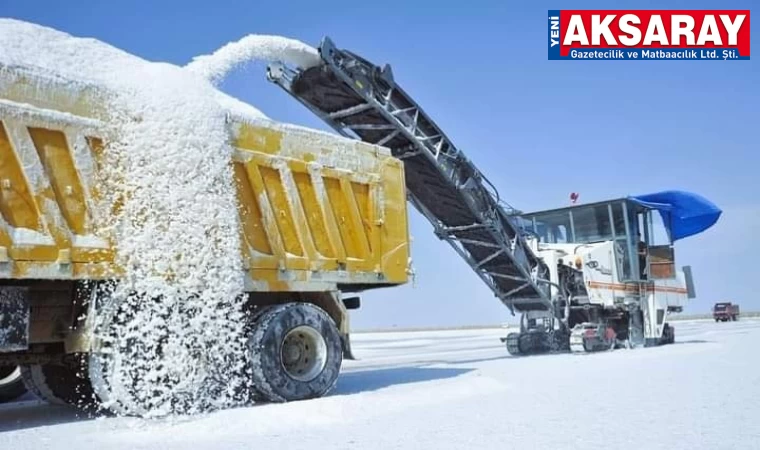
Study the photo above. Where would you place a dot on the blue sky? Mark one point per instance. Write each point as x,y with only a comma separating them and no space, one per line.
539,129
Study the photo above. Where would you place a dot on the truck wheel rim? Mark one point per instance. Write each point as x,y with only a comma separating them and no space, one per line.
9,374
304,353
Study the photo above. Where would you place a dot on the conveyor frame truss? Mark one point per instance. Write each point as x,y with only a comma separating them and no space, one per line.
361,101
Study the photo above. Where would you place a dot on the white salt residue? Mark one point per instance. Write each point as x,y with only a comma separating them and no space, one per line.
176,344
238,109
34,114
26,236
89,241
27,156
178,234
253,47
13,320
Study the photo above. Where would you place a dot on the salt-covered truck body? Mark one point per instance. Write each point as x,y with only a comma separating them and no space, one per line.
320,216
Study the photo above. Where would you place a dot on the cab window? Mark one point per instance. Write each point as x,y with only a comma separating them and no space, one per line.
592,224
553,228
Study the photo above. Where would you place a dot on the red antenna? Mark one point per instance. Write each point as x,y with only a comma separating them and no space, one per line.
574,197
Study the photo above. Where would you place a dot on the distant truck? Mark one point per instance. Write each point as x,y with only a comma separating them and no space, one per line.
725,311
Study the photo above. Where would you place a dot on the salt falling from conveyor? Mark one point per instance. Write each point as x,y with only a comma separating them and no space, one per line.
215,66
169,165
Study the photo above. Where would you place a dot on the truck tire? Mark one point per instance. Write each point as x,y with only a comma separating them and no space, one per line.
117,382
512,342
11,384
295,353
60,384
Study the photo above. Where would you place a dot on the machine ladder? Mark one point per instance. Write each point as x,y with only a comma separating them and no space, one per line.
362,101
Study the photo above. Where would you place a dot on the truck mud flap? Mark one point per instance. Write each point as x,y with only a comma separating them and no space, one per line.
347,352
14,319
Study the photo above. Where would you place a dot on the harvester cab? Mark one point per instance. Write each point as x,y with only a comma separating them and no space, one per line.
642,241
612,264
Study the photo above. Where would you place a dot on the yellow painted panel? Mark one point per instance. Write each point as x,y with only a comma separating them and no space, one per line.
342,217
313,213
59,166
260,139
361,195
5,240
91,255
395,232
331,223
355,221
310,256
96,147
279,201
250,214
281,259
16,200
33,253
267,215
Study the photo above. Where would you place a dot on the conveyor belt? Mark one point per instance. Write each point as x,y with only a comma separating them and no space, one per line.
361,101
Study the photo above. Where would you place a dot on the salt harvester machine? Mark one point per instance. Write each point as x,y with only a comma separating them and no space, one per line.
584,278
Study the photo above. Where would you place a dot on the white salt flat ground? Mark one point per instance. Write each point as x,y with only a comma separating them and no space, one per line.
461,390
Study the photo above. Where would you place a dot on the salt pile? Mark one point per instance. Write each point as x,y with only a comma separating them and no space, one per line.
177,229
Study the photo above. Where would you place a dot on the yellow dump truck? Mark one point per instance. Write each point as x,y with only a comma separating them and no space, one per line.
321,219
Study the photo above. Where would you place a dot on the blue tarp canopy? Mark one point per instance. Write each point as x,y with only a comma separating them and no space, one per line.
683,213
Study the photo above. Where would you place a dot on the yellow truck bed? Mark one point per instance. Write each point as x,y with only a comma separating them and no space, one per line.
316,210
320,217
